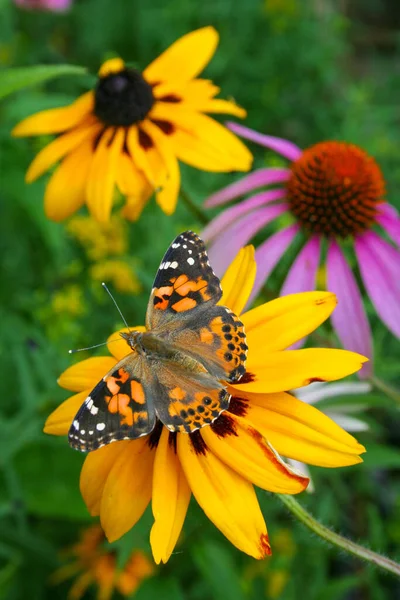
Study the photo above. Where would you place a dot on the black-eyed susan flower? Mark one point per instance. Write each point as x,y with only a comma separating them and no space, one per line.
221,463
131,130
88,562
334,192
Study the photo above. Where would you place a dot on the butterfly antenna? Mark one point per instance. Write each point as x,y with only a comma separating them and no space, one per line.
116,305
91,347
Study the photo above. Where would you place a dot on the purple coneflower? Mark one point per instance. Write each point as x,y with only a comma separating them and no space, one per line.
48,5
335,193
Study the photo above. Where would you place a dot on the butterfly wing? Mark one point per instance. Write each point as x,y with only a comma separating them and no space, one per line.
120,407
185,282
187,401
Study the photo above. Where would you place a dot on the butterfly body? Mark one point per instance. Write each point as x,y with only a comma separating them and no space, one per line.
177,371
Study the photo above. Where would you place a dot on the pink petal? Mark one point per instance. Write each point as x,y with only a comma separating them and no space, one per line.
230,215
247,184
268,255
303,273
228,244
389,220
379,264
283,147
349,317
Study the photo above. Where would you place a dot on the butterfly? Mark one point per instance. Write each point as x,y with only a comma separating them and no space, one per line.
177,370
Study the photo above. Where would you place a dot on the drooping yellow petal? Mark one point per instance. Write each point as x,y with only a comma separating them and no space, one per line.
66,190
59,421
185,58
170,500
252,457
86,373
111,66
202,142
56,120
95,471
279,323
300,431
281,371
61,146
128,489
117,346
193,92
102,174
227,498
238,280
134,185
167,196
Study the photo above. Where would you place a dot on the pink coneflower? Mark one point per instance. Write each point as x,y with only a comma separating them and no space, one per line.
49,5
335,193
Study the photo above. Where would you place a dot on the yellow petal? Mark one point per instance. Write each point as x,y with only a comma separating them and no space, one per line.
228,500
301,432
95,471
247,453
167,196
201,142
133,184
186,58
117,346
222,106
61,146
134,206
56,119
86,373
66,189
128,489
281,371
193,92
113,65
102,174
59,421
281,322
238,280
140,156
171,495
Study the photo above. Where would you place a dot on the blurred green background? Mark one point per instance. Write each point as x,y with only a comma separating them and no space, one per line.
307,70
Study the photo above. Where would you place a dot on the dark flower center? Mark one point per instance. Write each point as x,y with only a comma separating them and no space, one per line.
123,98
334,189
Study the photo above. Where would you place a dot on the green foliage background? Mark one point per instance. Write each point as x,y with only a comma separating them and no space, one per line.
304,70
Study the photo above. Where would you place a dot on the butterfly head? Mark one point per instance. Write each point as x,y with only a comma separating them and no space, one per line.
132,338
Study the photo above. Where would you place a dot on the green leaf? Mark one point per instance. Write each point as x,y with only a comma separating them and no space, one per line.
217,568
379,456
12,80
165,588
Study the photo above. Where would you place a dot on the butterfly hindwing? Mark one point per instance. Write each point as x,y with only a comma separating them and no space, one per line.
121,406
184,282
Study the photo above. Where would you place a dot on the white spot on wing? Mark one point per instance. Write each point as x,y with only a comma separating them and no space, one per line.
173,265
100,426
190,260
76,424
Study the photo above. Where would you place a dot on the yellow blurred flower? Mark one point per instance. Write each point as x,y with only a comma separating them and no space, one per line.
100,239
131,130
119,273
94,564
68,300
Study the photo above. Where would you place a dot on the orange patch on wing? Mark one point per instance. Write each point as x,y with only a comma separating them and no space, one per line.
177,393
184,304
119,404
206,336
137,392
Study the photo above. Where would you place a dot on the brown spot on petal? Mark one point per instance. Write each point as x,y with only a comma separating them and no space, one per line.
224,426
165,126
172,440
238,406
198,444
247,378
145,140
265,546
170,98
155,435
315,379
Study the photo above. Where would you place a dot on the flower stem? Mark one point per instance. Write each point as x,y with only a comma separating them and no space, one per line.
388,390
338,540
194,209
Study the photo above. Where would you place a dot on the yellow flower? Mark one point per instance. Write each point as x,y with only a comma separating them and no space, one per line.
132,129
93,564
119,273
100,239
69,300
222,462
